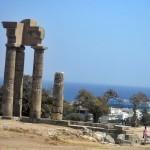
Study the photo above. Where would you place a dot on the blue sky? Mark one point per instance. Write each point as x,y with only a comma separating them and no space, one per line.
91,41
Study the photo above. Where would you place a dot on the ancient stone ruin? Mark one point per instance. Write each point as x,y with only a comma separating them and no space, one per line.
57,109
19,35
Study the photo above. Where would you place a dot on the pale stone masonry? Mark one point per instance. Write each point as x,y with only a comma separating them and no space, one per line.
19,35
8,88
18,83
25,33
58,98
37,82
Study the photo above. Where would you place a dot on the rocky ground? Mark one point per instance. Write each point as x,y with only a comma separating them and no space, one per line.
15,135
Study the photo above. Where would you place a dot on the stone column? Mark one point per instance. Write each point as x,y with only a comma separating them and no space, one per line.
58,88
36,95
14,39
18,83
8,86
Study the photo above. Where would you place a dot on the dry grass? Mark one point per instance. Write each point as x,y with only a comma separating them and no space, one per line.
16,135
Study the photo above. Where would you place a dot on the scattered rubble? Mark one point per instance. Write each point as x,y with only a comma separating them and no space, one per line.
82,134
65,134
109,139
99,136
120,138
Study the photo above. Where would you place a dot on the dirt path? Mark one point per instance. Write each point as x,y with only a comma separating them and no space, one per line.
16,135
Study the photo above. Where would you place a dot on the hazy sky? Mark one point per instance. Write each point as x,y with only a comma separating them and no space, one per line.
91,41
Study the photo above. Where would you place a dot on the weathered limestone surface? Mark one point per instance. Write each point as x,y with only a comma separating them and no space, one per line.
18,83
14,39
32,34
37,82
26,33
57,109
14,33
8,89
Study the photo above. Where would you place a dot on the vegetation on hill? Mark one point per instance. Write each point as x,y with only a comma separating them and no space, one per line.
97,106
110,94
46,98
136,100
94,105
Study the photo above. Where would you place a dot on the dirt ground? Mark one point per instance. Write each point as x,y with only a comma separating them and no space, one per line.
15,135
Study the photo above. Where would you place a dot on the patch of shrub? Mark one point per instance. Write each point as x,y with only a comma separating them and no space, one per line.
74,117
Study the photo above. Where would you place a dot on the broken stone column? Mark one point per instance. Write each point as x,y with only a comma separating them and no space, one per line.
18,83
14,39
36,94
58,89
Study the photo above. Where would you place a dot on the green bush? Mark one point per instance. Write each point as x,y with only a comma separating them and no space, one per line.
74,117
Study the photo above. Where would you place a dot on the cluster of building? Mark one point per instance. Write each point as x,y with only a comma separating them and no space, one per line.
122,109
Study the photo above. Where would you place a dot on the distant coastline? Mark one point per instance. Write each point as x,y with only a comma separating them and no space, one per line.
71,89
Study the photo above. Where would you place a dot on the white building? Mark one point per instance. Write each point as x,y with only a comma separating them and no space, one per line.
119,114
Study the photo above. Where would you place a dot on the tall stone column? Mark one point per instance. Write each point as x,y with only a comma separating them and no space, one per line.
36,95
8,86
18,83
14,39
58,89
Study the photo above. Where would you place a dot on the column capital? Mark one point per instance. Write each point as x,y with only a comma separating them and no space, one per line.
39,47
14,32
21,48
15,46
12,46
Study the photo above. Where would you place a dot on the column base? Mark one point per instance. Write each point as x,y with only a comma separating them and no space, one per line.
7,117
35,115
56,116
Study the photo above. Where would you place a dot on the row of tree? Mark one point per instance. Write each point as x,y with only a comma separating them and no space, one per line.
97,106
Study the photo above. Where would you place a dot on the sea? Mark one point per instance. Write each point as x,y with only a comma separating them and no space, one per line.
71,89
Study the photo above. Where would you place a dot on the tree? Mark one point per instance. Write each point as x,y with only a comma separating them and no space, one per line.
145,115
69,112
96,106
46,99
27,87
68,108
136,100
74,117
110,94
46,104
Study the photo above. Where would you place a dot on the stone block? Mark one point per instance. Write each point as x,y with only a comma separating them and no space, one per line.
32,34
56,116
14,33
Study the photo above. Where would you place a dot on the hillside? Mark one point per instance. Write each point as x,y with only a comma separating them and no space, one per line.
17,135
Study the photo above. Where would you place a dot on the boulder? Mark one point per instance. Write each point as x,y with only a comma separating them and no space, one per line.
109,139
89,138
99,136
120,138
87,131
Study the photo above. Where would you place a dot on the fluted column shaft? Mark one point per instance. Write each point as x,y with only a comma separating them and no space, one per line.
36,95
18,83
8,86
58,96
